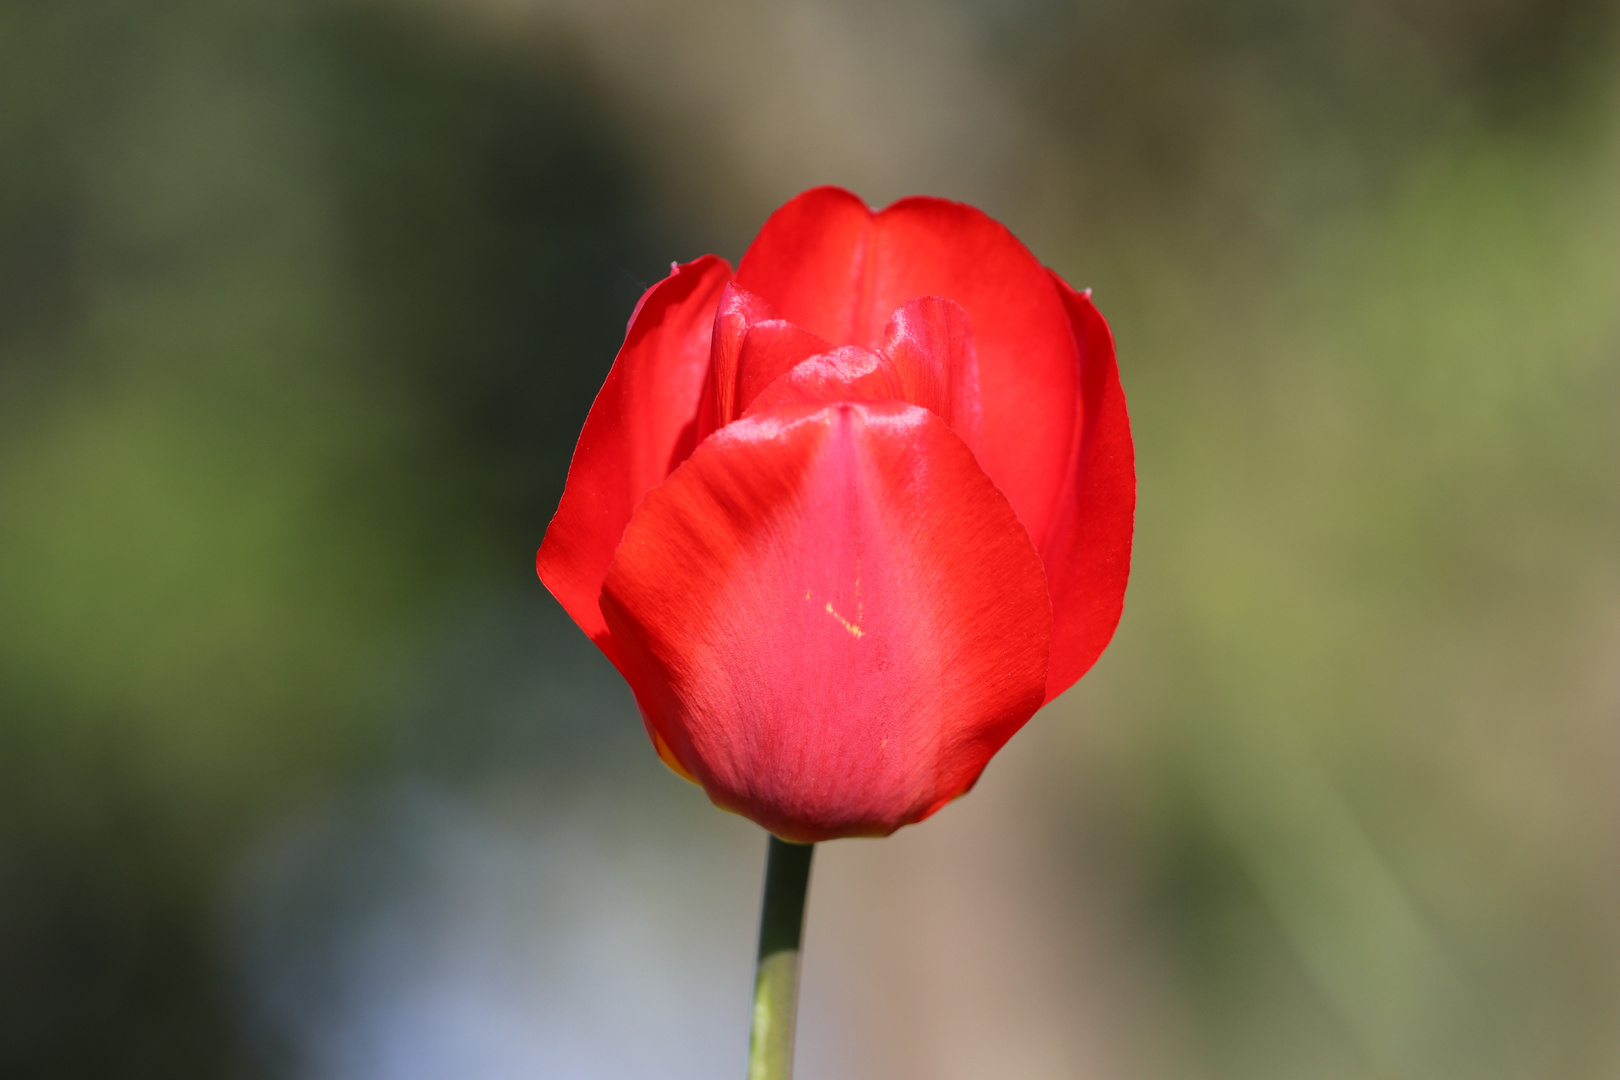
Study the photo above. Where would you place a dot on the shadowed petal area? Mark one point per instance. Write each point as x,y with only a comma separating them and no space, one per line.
1088,548
829,264
832,617
638,429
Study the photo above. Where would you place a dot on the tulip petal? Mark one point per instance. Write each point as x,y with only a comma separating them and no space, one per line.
831,617
927,359
752,347
1087,551
639,428
771,349
836,268
844,374
930,341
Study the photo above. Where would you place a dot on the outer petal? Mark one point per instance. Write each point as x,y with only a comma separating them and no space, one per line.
637,431
1088,549
831,265
832,617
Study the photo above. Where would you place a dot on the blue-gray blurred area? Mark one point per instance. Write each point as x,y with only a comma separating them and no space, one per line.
303,776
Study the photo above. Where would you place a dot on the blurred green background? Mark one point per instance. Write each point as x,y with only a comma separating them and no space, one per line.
302,303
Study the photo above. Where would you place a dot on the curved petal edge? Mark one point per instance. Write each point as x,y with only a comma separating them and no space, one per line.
639,428
1087,549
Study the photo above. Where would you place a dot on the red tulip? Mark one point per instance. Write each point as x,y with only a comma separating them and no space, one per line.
845,519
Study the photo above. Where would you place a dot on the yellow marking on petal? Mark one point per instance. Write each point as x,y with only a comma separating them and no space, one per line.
667,755
851,627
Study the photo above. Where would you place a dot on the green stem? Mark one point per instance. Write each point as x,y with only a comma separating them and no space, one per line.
776,980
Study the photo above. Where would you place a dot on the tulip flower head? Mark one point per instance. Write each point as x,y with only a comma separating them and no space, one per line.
846,518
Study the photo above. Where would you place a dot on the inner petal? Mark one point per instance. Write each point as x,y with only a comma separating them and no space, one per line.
847,374
930,343
927,359
751,347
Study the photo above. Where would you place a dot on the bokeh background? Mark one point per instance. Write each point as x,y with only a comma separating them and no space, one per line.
304,776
